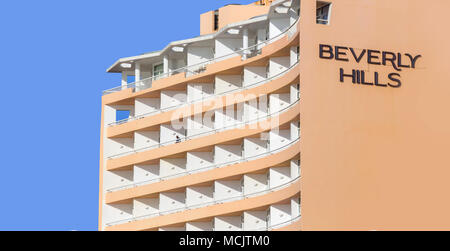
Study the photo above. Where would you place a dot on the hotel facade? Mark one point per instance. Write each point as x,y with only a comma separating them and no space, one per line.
284,115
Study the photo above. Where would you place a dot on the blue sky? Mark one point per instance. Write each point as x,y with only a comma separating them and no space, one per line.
53,59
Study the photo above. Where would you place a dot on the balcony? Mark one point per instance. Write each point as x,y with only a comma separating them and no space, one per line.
204,60
157,175
182,135
179,99
174,202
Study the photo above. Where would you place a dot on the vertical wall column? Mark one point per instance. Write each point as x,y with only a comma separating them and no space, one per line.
294,55
262,33
245,42
137,72
294,93
166,64
124,80
295,130
295,168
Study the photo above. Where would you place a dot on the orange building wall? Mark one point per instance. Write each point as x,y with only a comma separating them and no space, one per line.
207,23
376,158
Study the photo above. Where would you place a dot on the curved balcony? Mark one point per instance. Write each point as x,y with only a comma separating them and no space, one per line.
206,99
203,176
236,131
288,77
198,141
198,68
293,143
278,193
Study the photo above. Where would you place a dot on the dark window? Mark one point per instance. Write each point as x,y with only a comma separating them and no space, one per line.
322,12
216,20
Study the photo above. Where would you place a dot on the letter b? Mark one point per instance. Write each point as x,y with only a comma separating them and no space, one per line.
326,51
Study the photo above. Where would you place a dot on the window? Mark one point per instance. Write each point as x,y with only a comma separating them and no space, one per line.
323,12
158,69
122,115
216,20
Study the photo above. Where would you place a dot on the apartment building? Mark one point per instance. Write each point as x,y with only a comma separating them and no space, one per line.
200,134
204,135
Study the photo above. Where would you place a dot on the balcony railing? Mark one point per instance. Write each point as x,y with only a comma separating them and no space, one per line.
204,99
201,67
201,205
322,21
204,169
202,134
276,226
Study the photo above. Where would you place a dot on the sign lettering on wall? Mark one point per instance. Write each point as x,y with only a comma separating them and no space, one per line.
397,61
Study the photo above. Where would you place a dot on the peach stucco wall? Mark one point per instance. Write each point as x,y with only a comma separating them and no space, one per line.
376,158
207,23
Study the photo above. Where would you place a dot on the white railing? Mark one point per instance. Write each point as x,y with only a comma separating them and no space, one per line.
204,99
268,228
203,169
201,205
214,131
322,21
201,67
277,226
